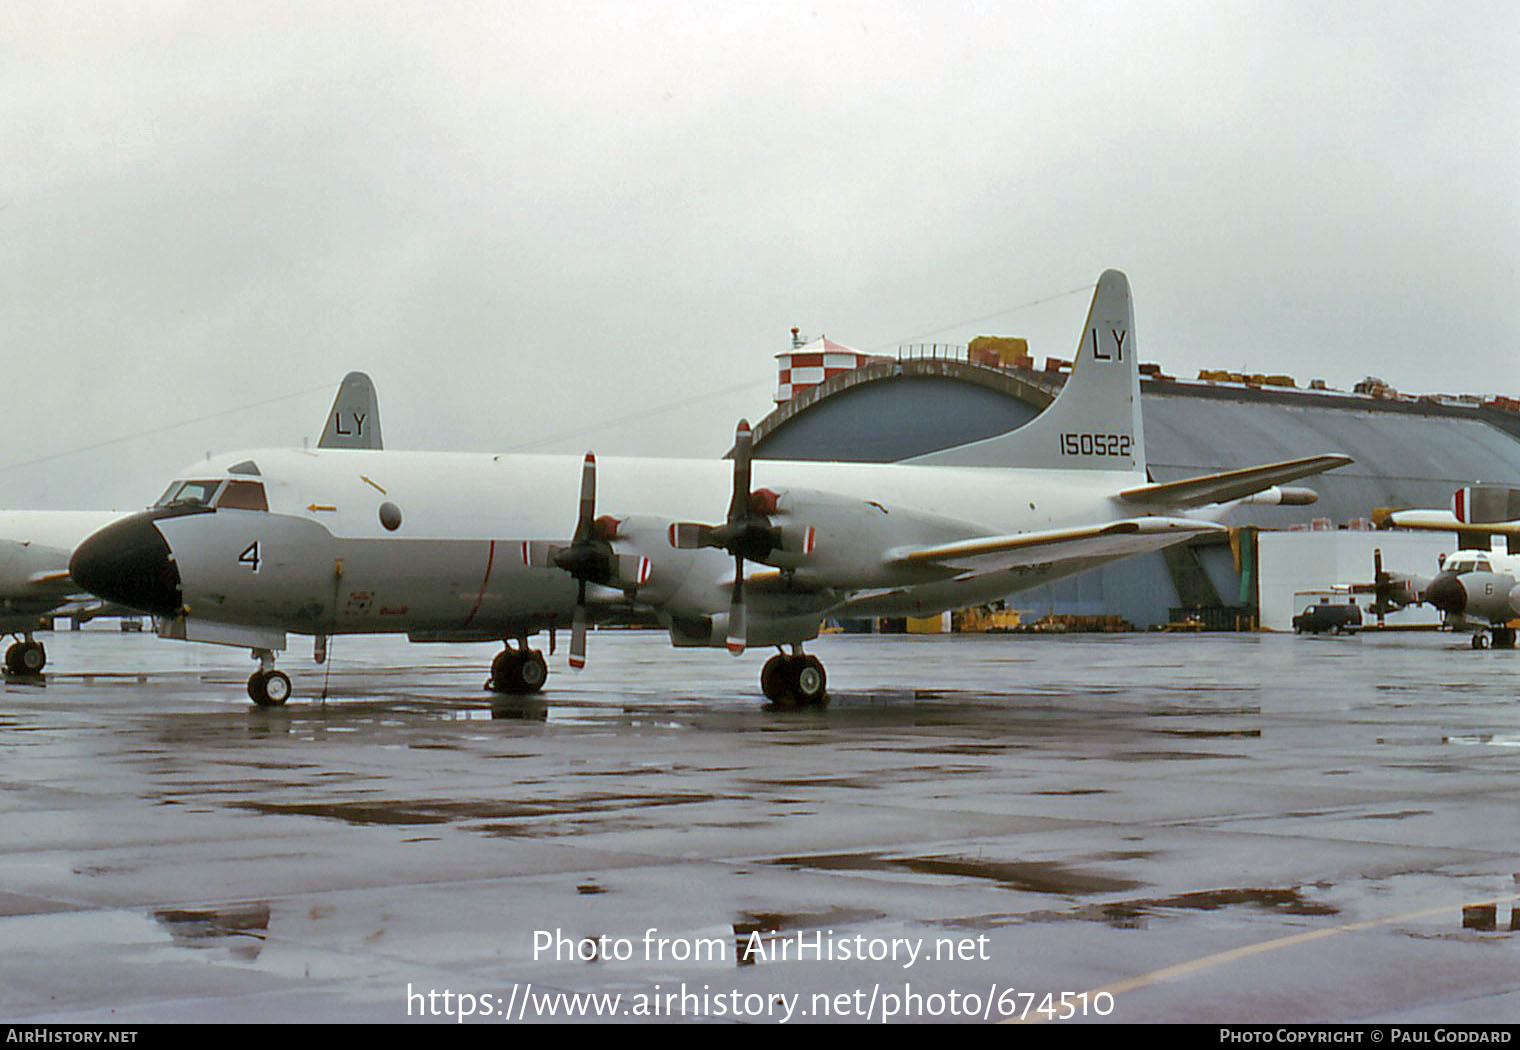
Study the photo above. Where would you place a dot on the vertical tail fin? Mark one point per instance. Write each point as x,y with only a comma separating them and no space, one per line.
354,419
1094,422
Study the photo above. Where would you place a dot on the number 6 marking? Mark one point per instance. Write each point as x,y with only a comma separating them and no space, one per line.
250,556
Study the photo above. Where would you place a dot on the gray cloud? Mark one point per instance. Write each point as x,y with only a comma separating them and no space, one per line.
529,220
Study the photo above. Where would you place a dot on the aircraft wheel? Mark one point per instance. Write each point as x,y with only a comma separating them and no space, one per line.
517,673
33,658
773,678
794,681
269,688
25,658
503,669
1480,640
534,672
812,682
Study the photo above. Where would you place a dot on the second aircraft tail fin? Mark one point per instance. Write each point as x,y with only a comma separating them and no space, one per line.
354,419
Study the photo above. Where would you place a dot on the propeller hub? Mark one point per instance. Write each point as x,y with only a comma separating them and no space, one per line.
589,562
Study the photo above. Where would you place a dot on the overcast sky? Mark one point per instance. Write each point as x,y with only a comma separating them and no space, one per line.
563,226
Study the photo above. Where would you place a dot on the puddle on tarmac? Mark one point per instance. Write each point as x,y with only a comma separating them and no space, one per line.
444,811
202,927
1132,914
240,928
1029,876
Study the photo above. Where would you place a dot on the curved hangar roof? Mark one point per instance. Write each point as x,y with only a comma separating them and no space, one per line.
1407,453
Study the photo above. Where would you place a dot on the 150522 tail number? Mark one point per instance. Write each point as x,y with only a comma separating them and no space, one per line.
1096,444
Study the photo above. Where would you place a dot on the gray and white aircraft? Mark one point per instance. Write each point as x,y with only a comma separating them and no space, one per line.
1475,588
36,545
446,546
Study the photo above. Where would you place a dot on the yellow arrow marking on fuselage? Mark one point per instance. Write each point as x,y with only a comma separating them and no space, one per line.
372,485
313,507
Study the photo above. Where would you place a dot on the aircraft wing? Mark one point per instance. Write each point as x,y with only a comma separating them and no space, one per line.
1231,484
1446,521
984,554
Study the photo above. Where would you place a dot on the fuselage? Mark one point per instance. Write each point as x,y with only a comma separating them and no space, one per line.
339,541
445,495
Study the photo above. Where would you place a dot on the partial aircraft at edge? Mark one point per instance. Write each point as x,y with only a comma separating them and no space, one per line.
36,545
246,547
1475,587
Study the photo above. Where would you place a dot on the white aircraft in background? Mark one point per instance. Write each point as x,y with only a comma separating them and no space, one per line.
1475,589
36,545
246,547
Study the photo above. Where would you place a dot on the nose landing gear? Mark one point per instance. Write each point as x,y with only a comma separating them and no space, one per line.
266,686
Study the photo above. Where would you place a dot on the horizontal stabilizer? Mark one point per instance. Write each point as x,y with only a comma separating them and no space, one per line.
1231,484
997,553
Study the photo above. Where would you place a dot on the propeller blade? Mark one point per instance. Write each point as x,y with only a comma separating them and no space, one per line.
1379,583
631,570
744,447
539,554
587,519
736,627
578,631
689,535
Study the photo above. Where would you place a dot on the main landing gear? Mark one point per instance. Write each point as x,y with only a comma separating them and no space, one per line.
266,686
794,680
1502,638
25,658
518,671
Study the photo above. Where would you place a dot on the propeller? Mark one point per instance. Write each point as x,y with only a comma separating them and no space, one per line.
1382,586
747,533
1392,591
589,558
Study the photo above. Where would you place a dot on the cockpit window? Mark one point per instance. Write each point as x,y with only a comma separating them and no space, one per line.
1460,566
194,493
243,495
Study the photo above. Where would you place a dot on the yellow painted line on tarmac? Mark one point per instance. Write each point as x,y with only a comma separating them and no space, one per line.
1167,973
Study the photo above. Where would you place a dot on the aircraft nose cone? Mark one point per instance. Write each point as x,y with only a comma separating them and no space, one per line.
129,563
1447,594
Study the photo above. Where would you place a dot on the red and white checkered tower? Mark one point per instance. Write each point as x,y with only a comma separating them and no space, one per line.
806,365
